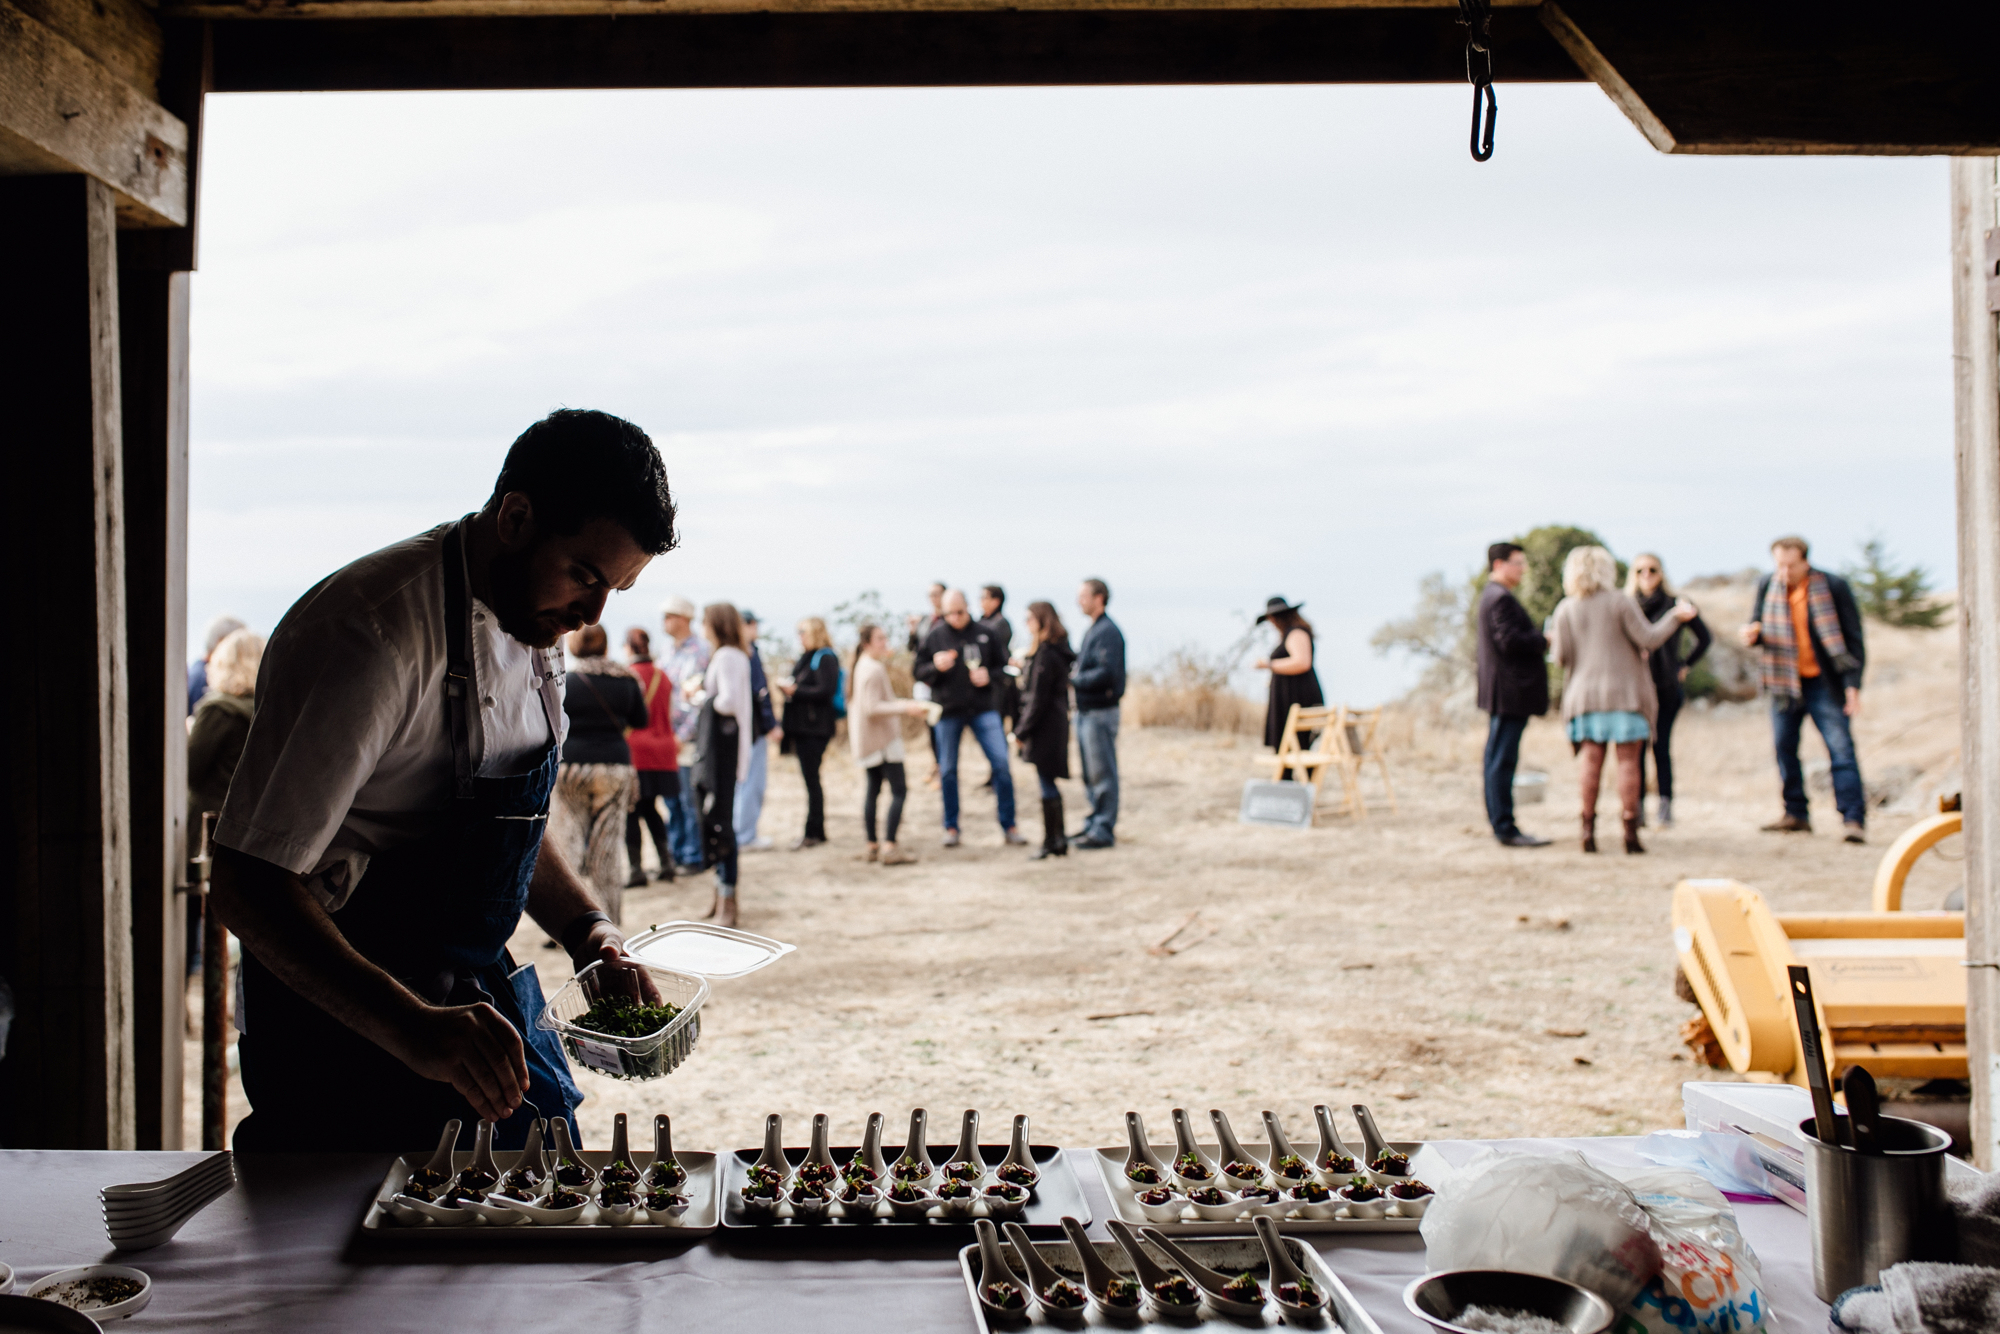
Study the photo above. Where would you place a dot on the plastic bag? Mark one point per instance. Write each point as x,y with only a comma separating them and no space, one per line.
1553,1214
1709,1279
1728,1162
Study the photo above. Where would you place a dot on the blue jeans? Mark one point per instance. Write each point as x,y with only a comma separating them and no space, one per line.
1097,744
1827,707
992,738
749,807
684,826
1503,752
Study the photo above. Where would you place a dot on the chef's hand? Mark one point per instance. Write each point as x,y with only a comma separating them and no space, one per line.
473,1049
980,677
606,944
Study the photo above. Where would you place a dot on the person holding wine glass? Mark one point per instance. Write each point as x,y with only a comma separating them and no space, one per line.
958,660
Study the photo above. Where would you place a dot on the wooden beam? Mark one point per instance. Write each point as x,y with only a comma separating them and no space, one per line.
287,10
61,112
121,35
153,347
1976,420
1847,76
878,49
65,897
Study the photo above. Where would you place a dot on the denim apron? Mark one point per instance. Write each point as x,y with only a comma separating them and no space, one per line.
436,915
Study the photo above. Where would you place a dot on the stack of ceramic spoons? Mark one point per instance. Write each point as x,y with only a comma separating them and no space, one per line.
147,1213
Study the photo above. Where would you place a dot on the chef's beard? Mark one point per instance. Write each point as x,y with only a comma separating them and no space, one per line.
509,576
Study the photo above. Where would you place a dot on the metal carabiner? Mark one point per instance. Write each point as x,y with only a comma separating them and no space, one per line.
1483,149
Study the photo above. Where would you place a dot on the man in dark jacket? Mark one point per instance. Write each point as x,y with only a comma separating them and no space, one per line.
958,660
1100,683
1810,631
1513,684
1006,688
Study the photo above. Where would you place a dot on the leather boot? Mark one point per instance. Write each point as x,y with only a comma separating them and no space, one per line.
1054,844
1632,843
1589,833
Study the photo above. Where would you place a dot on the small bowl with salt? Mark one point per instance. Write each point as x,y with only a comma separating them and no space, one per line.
1503,1301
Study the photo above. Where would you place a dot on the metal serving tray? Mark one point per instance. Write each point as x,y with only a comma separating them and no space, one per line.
1058,1193
1111,1167
1231,1255
704,1207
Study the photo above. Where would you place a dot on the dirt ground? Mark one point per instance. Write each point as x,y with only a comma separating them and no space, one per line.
1464,990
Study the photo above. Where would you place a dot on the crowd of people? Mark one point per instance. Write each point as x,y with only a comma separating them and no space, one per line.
1620,654
675,745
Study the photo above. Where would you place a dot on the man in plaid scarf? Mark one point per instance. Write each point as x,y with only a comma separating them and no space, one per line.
1810,631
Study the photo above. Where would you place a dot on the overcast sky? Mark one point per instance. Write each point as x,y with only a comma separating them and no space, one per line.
1208,343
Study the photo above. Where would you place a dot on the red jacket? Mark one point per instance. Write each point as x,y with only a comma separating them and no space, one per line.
653,745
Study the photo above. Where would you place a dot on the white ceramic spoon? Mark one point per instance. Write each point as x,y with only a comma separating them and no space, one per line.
1126,1300
1061,1298
438,1172
1296,1170
482,1173
528,1170
1153,1276
542,1212
1192,1168
965,1163
1234,1154
773,1159
1000,1292
1018,1167
448,1216
1332,1149
1211,1282
1283,1271
665,1171
819,1164
570,1170
875,1170
1396,1164
1139,1157
914,1165
618,1169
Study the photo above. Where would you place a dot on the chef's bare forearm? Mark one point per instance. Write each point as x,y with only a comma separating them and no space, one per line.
278,920
556,897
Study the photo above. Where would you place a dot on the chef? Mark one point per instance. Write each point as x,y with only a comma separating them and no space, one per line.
383,833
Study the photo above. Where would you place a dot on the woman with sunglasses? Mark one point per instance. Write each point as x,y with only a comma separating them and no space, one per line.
1647,585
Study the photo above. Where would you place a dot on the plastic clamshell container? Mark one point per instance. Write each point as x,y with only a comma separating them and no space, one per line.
650,1057
714,952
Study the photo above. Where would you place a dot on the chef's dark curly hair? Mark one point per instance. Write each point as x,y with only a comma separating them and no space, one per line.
576,465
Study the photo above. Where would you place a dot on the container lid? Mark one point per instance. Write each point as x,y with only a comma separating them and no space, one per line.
707,951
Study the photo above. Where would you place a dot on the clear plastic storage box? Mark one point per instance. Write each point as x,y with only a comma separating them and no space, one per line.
648,1057
681,958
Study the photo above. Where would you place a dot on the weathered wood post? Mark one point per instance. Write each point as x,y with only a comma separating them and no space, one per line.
154,266
1975,249
65,906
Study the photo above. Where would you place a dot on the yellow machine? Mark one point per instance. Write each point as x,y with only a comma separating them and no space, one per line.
1890,985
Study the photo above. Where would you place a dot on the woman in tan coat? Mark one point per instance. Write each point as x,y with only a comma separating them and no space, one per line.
1601,638
875,730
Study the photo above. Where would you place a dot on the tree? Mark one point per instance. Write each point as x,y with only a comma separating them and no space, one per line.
1548,547
1893,596
1438,630
1442,629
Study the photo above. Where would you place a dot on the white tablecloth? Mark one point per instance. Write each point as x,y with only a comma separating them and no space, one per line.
278,1253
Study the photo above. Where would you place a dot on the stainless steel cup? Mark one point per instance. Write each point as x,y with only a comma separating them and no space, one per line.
1870,1211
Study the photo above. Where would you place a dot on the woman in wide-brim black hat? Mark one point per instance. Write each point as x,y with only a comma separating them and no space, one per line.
1293,680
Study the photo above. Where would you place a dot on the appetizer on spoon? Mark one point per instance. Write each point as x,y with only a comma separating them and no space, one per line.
1116,1295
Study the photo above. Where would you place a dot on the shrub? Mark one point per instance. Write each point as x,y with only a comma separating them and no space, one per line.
1891,595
